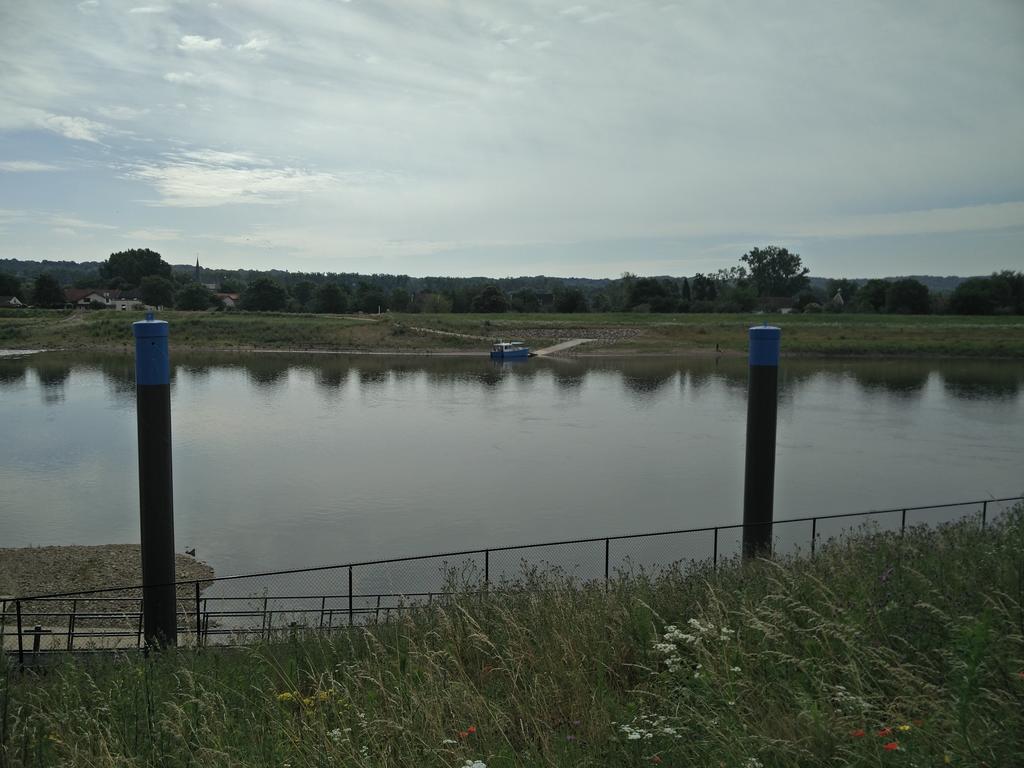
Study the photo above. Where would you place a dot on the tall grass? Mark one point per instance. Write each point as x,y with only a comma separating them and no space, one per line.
880,651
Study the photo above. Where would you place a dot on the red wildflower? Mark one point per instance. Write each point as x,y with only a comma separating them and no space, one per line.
885,731
471,729
463,734
892,746
857,733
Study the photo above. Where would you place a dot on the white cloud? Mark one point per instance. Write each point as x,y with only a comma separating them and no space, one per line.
254,45
77,128
206,178
88,6
147,9
933,221
27,166
122,112
62,220
153,234
199,43
184,78
64,231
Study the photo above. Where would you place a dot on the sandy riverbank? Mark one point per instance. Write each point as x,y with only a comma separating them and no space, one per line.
45,570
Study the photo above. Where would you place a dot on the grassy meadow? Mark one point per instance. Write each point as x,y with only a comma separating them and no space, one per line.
613,334
880,651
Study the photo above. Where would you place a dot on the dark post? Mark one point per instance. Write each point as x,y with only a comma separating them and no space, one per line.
156,504
762,408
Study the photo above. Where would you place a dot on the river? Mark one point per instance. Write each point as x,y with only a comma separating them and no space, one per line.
285,460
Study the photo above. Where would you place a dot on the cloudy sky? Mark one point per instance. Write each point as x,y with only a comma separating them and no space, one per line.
503,138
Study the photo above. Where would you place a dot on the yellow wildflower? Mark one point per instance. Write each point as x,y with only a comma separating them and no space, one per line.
286,696
903,727
307,702
323,695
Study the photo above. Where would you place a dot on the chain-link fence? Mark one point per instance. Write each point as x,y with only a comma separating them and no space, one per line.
243,609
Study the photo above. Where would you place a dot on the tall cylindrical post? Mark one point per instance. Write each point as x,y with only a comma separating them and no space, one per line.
762,409
156,504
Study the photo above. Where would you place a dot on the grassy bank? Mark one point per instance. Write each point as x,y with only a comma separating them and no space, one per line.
878,652
613,334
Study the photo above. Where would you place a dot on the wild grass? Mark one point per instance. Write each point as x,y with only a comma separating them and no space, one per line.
880,651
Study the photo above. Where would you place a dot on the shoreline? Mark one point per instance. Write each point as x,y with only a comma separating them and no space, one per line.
693,352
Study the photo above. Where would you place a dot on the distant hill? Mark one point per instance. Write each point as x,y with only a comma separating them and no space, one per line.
935,283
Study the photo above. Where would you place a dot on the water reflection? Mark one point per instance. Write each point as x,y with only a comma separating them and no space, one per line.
52,376
267,373
974,381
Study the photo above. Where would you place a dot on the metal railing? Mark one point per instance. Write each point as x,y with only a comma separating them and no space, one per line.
246,607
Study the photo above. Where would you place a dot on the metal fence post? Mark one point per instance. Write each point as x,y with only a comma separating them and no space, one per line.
814,533
984,513
714,554
350,596
71,623
199,613
21,646
487,567
607,560
903,523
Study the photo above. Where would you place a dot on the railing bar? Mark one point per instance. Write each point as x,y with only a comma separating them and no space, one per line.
531,546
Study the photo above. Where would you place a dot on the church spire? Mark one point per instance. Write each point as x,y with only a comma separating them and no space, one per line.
197,269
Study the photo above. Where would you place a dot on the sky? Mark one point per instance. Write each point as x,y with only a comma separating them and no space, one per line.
516,138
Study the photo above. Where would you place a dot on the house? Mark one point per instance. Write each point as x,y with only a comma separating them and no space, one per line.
102,297
10,302
229,300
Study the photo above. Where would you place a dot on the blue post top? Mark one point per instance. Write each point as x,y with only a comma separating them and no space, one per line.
764,345
152,360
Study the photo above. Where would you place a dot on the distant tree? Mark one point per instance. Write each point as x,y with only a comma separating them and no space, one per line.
649,293
46,291
228,285
525,300
87,280
1009,292
329,298
10,286
490,299
264,295
303,292
907,297
193,297
370,299
808,296
871,296
129,267
570,300
975,296
399,300
156,291
684,293
704,288
434,303
601,302
775,271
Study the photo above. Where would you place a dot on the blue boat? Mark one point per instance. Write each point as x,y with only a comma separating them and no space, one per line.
509,350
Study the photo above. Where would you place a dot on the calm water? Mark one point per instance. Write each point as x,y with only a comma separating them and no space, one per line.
285,460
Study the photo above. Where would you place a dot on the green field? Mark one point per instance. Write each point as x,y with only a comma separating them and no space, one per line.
613,334
880,651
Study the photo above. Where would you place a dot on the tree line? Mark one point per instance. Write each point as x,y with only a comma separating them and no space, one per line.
769,278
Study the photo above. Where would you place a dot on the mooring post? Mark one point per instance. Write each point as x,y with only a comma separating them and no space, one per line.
762,410
156,504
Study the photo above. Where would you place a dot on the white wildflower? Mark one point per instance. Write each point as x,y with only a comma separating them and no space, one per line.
665,647
449,741
753,762
335,734
735,669
474,764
